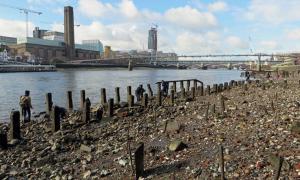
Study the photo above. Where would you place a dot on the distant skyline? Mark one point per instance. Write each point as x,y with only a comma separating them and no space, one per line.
184,26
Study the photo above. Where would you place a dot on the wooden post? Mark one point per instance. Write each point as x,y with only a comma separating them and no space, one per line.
188,84
222,103
103,96
213,108
111,107
174,86
226,86
208,90
3,141
150,90
86,114
118,99
215,88
193,93
129,94
82,99
195,84
139,161
145,100
278,170
181,85
172,97
158,98
69,101
182,93
131,101
55,118
201,90
221,161
220,88
15,132
49,103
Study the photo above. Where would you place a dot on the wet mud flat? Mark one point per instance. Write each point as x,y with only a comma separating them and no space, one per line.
243,131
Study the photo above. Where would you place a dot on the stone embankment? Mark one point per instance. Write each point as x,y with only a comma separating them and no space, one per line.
234,130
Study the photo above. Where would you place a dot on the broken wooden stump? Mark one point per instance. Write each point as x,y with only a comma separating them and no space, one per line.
55,119
49,103
139,161
15,132
111,107
82,99
86,114
3,141
69,101
118,98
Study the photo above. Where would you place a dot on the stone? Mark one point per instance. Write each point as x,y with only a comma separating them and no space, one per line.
85,148
177,145
296,128
14,142
274,161
123,162
172,126
55,147
87,174
104,173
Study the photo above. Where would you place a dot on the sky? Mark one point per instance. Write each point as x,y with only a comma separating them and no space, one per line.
186,27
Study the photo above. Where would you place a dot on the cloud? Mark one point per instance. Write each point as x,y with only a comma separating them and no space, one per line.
269,45
128,8
273,11
191,18
95,8
236,42
218,6
14,28
293,34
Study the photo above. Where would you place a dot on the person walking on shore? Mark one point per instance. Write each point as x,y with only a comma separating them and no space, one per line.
139,92
165,87
25,104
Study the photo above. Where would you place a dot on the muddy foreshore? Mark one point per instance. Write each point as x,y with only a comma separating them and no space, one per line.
260,124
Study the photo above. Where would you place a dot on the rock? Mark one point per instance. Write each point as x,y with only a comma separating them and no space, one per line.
274,161
87,174
296,128
85,148
172,126
123,162
196,172
104,173
177,145
14,142
55,147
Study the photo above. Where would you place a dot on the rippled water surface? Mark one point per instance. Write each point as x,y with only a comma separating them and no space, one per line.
13,85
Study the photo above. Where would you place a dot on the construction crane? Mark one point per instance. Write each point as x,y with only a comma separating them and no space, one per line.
25,11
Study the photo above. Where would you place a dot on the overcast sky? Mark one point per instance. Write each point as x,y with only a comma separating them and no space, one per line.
185,26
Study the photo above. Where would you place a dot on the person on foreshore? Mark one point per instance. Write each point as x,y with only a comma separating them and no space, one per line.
25,104
165,87
139,92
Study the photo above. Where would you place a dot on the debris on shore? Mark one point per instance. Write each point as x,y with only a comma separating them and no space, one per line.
258,127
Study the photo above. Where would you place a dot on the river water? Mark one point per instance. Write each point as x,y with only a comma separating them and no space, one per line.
13,85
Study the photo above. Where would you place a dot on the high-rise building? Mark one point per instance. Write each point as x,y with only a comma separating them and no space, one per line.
152,39
69,32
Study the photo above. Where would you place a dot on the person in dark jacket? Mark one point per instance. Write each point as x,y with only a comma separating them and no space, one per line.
139,92
25,104
165,87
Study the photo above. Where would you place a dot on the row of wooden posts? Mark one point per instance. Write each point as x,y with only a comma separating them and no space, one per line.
85,104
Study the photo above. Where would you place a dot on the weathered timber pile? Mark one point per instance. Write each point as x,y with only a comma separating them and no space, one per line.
258,126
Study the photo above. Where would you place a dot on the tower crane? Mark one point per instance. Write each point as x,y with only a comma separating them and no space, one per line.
25,11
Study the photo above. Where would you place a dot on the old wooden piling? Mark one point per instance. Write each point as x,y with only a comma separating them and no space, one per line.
82,99
131,100
145,100
222,103
69,101
221,161
278,168
212,108
150,92
3,141
181,85
220,87
225,85
103,97
117,93
129,94
174,86
49,103
195,84
182,93
111,107
172,97
201,90
208,90
139,161
86,114
55,119
215,88
193,93
188,85
159,95
15,132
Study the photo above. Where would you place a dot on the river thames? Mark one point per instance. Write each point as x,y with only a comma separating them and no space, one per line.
58,83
